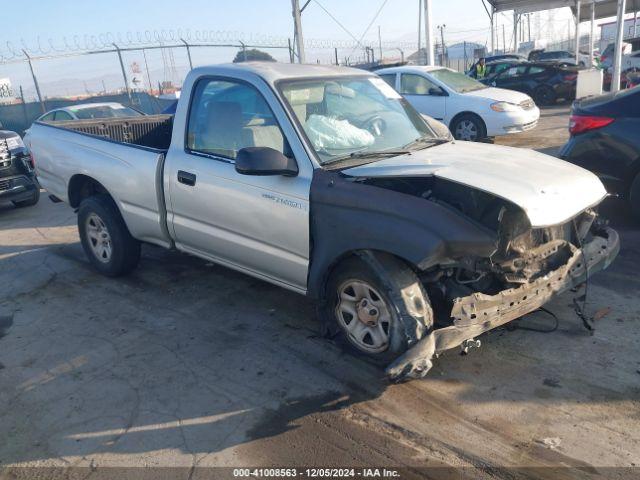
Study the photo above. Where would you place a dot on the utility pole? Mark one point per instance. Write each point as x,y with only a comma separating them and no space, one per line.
379,45
515,32
617,58
297,26
441,28
335,50
529,26
419,29
578,34
428,32
504,40
35,81
493,30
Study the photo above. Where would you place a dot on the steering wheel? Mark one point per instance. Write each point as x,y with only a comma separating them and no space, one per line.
375,124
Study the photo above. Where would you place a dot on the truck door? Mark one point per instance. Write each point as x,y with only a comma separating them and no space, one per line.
256,224
425,96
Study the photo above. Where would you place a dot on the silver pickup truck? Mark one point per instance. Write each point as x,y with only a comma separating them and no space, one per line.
325,181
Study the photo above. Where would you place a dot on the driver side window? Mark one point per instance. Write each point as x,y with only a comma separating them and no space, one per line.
413,84
227,116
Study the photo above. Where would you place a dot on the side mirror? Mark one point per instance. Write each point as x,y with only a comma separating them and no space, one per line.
436,92
265,161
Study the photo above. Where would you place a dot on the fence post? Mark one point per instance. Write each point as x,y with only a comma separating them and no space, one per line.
124,73
35,82
24,107
291,57
188,53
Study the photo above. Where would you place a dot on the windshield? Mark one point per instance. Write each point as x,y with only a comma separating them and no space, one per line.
348,117
457,81
105,111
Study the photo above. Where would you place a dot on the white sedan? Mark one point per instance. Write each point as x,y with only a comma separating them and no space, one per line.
471,110
86,111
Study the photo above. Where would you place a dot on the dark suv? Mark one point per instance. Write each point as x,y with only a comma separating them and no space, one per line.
18,182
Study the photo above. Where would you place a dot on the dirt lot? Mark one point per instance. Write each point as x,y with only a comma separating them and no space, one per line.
188,364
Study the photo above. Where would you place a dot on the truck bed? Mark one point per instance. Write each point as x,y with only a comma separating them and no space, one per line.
152,131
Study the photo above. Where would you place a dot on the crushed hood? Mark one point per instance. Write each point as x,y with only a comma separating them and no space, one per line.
549,190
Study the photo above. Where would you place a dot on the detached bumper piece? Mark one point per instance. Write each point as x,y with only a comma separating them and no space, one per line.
478,313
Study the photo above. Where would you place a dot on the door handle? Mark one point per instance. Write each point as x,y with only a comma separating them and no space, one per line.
187,178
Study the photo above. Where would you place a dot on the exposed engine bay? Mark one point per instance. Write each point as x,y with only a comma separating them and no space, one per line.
472,294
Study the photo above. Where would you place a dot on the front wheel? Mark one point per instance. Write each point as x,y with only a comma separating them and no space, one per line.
376,311
468,127
105,237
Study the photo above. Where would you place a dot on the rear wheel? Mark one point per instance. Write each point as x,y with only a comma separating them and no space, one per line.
545,96
376,312
468,127
634,197
105,237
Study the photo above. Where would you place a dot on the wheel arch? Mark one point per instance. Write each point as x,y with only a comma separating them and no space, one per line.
82,186
317,286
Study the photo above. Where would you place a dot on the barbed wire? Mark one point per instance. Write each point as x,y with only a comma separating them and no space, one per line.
11,51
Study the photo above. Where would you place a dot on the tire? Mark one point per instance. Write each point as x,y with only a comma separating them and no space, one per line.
468,127
105,237
634,197
399,320
545,96
31,202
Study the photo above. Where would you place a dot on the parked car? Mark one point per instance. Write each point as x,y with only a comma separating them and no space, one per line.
606,57
605,139
85,111
471,110
633,79
339,190
544,82
561,57
18,182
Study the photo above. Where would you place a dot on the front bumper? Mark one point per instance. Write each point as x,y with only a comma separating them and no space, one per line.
505,123
17,188
478,313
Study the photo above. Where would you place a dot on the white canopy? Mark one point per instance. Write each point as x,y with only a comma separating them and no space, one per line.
583,10
603,8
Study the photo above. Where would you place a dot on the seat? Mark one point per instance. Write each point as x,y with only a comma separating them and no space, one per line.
222,129
263,136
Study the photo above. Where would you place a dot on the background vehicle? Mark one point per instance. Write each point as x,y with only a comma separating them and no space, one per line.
605,138
546,83
18,182
633,79
471,110
606,57
561,57
86,111
267,159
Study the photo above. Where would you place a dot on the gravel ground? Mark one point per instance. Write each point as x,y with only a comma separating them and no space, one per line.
189,365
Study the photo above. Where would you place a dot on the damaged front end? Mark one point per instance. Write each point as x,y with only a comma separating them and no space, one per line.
529,266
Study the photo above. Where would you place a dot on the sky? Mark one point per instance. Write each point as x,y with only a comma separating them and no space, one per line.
55,22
